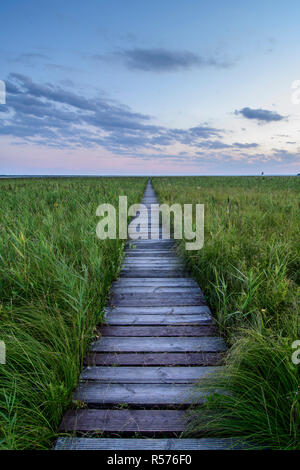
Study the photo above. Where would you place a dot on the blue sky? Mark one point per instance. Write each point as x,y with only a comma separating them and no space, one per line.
149,87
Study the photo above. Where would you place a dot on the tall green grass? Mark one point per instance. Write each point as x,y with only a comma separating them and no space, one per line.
55,275
249,271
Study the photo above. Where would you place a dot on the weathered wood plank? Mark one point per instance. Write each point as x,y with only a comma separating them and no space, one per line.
147,395
144,227
154,359
151,256
163,246
153,261
172,310
157,299
77,443
145,235
154,375
151,244
155,269
136,263
127,272
161,254
167,319
158,344
170,330
122,421
156,290
145,256
157,282
156,266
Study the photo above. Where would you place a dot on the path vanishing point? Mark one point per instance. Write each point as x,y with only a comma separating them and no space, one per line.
158,340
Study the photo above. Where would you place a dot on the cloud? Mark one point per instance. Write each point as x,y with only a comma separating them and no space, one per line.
53,115
28,58
165,60
245,146
262,115
213,144
283,156
219,145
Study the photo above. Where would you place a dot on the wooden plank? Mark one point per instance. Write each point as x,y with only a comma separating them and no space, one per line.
155,264
168,319
145,235
146,395
122,421
158,344
154,231
156,299
81,443
151,244
131,284
153,261
172,310
161,254
154,359
151,272
154,375
146,224
143,225
156,290
153,267
158,282
161,244
144,255
140,245
170,330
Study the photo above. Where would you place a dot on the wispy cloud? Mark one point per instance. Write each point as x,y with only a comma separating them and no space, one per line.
245,146
165,60
219,145
261,115
28,58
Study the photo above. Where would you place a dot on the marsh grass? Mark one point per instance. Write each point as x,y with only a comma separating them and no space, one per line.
249,271
261,399
55,277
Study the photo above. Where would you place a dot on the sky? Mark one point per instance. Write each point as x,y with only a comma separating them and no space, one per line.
173,87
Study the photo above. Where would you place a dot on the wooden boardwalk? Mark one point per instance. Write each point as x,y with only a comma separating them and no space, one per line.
159,339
